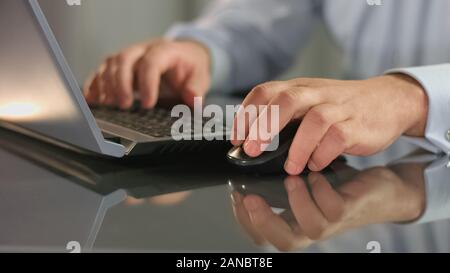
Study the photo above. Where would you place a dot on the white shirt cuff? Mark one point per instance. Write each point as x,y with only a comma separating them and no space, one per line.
435,80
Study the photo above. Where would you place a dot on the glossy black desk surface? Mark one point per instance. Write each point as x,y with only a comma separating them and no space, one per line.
50,197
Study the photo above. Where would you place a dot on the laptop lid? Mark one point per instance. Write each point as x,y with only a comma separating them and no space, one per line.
38,92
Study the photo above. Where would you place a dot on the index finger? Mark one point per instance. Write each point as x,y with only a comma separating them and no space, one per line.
150,69
126,62
292,104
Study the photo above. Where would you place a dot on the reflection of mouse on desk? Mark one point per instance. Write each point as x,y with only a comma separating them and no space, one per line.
268,162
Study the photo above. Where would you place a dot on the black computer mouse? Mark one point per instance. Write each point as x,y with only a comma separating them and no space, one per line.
268,162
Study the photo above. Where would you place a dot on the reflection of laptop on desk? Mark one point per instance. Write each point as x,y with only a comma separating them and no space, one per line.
139,177
42,212
61,196
40,97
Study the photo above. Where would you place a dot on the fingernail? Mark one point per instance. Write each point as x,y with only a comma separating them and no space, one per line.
312,166
312,178
291,168
235,139
290,185
251,148
236,198
251,204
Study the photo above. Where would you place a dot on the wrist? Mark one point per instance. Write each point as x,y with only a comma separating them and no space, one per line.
412,196
199,48
415,99
199,58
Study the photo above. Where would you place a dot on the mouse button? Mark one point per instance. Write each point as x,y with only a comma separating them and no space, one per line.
289,132
279,141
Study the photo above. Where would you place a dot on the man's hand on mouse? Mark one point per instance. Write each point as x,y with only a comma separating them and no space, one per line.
183,65
338,117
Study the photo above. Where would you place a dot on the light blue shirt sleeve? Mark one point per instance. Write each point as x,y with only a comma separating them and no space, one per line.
435,80
437,192
436,186
251,41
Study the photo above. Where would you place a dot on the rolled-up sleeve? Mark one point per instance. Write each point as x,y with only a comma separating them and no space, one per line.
251,41
435,80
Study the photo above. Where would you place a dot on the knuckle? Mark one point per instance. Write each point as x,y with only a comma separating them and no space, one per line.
274,84
289,96
300,81
151,60
161,42
267,87
319,116
110,60
305,94
110,71
261,90
338,134
317,234
159,48
103,75
122,58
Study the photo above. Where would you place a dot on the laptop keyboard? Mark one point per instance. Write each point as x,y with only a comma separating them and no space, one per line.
156,122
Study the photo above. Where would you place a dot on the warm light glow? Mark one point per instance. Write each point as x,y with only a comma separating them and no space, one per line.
18,111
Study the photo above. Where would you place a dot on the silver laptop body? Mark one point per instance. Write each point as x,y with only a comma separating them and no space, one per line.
39,95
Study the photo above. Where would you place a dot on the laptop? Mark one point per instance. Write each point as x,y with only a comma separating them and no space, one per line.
40,97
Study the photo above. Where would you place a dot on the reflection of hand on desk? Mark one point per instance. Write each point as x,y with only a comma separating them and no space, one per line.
319,211
165,200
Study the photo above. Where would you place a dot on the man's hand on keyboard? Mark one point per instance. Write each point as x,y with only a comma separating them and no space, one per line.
184,66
